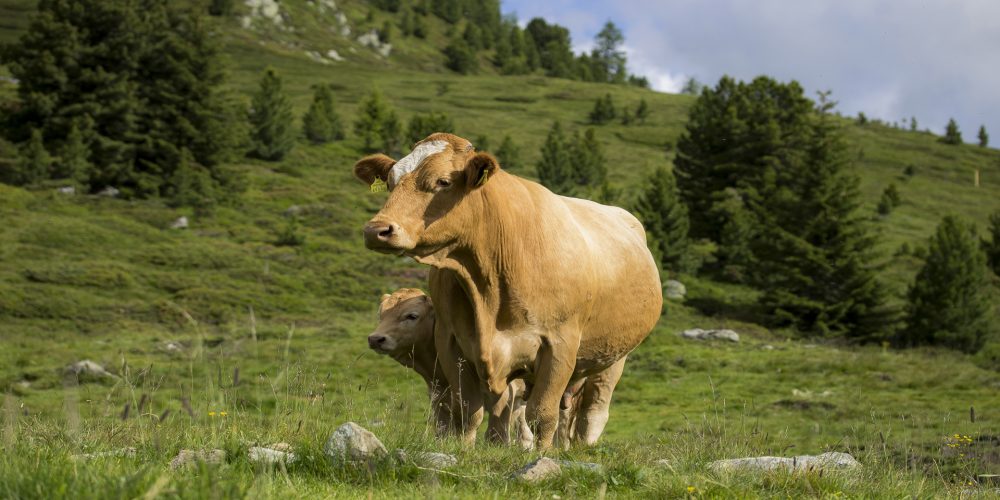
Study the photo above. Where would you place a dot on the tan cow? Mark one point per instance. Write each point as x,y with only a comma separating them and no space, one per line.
532,285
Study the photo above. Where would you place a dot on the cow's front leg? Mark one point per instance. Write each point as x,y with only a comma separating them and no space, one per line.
553,368
465,401
502,409
596,403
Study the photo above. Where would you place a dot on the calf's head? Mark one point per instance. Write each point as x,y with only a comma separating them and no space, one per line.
432,194
406,319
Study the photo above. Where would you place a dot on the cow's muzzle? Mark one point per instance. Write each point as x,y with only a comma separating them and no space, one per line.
384,237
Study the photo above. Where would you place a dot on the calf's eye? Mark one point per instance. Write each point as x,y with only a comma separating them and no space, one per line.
443,183
411,316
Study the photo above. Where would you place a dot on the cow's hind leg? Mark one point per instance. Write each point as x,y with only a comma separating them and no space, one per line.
596,403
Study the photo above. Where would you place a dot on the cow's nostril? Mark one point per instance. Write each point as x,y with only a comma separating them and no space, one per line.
386,233
376,340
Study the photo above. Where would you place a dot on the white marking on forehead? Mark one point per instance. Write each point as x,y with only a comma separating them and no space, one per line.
410,162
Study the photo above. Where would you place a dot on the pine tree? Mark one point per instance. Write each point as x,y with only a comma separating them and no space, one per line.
666,221
816,252
609,54
951,133
604,110
74,157
948,302
554,168
736,260
508,154
642,111
626,116
460,57
913,124
992,247
321,123
385,32
34,163
423,125
692,87
376,124
392,132
191,184
587,156
984,138
271,118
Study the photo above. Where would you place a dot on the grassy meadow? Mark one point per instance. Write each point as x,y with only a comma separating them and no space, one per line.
227,316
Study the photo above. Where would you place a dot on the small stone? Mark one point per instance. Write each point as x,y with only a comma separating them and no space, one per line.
69,190
191,457
569,464
88,369
351,442
540,469
123,452
436,460
172,347
768,347
333,54
830,460
180,223
674,290
699,334
110,191
270,455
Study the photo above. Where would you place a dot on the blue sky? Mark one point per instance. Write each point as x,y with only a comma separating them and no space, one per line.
892,59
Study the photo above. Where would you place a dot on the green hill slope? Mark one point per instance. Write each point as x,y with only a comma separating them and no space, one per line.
107,279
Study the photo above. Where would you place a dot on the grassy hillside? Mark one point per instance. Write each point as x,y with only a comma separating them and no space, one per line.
84,277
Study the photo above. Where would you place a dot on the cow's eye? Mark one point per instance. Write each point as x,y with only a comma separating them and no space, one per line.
411,316
443,183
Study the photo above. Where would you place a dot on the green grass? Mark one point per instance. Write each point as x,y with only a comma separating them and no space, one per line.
104,279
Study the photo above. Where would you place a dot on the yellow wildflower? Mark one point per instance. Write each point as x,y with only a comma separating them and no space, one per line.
692,489
211,413
222,413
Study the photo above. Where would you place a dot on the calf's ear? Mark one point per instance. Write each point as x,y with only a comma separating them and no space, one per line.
373,167
480,168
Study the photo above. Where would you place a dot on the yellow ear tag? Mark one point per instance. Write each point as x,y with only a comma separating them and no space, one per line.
379,186
484,177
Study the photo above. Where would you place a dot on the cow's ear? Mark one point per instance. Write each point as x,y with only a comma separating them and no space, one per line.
373,167
480,168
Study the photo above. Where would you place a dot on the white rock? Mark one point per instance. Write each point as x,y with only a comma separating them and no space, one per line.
180,223
266,9
830,460
569,464
109,191
270,455
191,457
67,190
88,368
172,346
333,54
436,460
351,442
540,469
699,334
674,290
345,28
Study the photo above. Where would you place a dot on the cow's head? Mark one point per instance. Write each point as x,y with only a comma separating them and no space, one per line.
427,188
406,319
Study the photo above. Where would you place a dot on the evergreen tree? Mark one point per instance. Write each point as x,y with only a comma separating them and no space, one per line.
948,302
588,160
951,133
220,8
392,131
449,11
642,111
734,253
271,119
913,124
460,58
609,54
604,110
376,124
385,32
666,221
692,87
482,142
626,116
34,163
984,138
992,247
419,27
191,184
552,45
816,252
74,157
554,168
508,154
423,125
321,123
